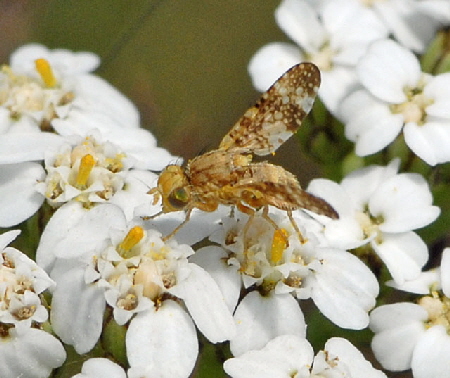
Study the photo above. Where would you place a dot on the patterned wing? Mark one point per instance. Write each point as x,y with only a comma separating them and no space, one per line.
267,184
278,114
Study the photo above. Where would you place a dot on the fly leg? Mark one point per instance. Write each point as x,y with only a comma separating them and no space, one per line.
186,219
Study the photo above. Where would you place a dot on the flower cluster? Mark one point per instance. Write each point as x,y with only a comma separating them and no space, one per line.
373,84
143,290
384,78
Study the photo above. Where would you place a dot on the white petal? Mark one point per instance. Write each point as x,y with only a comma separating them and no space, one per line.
344,289
352,358
346,232
270,62
398,327
227,277
65,61
420,285
139,144
17,148
7,237
430,357
370,124
386,69
336,85
73,63
19,199
438,89
404,202
100,368
404,254
201,224
351,27
362,183
77,308
445,272
278,359
163,342
411,27
333,193
39,354
300,22
135,192
429,141
93,94
206,305
438,9
260,319
73,231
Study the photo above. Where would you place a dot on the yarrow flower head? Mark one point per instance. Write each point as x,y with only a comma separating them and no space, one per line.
381,207
274,269
416,336
22,315
40,86
47,100
86,170
397,96
148,283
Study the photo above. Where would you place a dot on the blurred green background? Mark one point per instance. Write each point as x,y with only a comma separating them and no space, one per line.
183,63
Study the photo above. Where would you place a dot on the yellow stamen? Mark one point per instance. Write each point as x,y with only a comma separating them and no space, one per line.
45,70
86,165
133,237
279,244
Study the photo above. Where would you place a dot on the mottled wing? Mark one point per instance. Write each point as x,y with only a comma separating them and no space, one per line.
278,114
267,184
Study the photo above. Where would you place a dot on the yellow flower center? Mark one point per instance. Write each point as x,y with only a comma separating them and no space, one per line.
414,108
438,309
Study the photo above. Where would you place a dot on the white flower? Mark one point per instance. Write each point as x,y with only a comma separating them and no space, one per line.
143,279
21,281
47,91
273,274
396,95
406,20
415,336
21,315
41,86
377,205
19,199
86,170
333,36
293,356
32,354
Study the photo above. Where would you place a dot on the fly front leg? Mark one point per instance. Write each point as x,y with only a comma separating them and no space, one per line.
186,219
204,206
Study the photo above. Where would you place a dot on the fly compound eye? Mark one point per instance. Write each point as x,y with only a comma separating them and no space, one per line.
179,198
